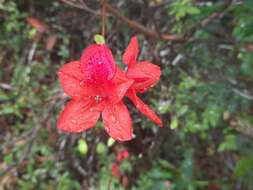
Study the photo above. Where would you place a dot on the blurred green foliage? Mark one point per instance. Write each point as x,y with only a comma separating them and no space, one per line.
204,97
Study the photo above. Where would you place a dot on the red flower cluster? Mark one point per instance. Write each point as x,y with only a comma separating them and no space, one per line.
96,85
122,155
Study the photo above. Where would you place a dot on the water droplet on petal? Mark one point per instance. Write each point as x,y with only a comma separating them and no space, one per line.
64,76
76,95
73,121
91,109
82,110
113,118
82,83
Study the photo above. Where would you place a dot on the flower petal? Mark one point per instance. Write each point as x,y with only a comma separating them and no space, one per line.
97,64
121,85
78,116
71,79
143,108
131,53
117,121
145,75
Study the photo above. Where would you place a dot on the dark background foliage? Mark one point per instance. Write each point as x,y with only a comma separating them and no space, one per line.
205,51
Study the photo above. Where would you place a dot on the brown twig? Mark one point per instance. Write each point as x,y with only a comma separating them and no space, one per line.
149,32
103,17
81,5
140,28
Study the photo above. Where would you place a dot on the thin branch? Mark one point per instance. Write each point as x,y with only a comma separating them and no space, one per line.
103,17
140,28
149,32
243,94
81,5
6,86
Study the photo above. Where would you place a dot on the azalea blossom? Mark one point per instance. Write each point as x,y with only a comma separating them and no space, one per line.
145,76
96,86
115,170
122,155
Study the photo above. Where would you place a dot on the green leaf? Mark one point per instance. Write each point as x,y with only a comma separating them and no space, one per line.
99,39
174,123
110,142
244,166
193,10
228,144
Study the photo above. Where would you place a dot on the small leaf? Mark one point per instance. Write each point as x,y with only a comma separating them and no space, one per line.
110,142
193,10
99,39
174,123
82,147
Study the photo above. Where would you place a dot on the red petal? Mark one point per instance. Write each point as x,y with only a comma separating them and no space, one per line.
71,79
131,53
78,116
122,155
115,170
143,108
121,85
145,75
97,64
117,121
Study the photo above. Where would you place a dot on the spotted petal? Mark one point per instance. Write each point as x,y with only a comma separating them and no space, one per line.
131,53
78,116
71,79
117,121
97,64
145,75
143,108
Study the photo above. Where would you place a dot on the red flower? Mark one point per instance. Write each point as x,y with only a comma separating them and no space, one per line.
95,86
115,170
145,76
122,155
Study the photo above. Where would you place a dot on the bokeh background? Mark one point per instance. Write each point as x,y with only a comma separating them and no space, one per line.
205,51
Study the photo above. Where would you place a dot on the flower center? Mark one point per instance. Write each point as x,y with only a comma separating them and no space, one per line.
98,99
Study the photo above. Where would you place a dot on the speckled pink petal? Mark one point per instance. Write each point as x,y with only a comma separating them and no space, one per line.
98,65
